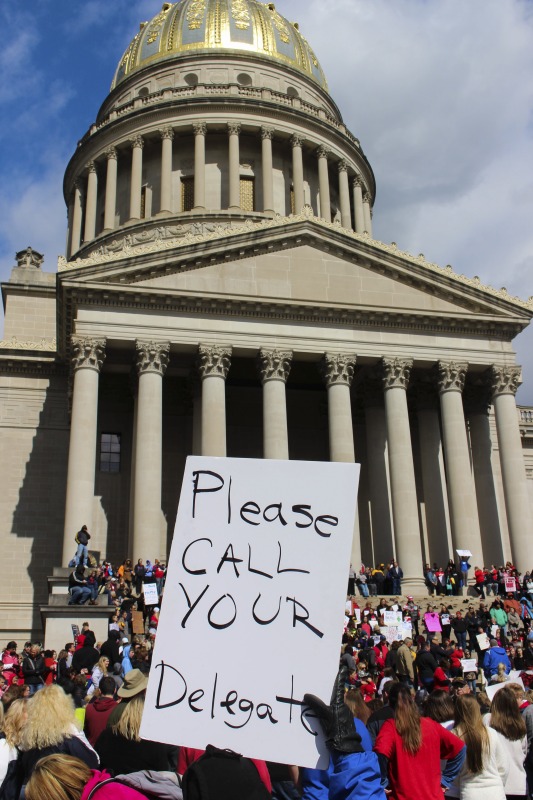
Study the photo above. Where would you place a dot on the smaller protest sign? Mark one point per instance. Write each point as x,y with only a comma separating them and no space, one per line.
392,618
348,607
494,630
510,585
483,641
137,622
357,615
432,622
444,619
75,632
395,607
469,664
151,595
464,553
407,630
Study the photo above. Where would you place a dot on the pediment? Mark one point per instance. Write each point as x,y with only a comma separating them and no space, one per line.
298,260
307,275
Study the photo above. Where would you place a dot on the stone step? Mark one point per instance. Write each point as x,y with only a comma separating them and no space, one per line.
61,599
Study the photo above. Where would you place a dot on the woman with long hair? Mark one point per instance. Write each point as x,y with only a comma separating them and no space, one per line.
411,749
439,707
485,770
100,670
122,750
506,719
62,777
52,727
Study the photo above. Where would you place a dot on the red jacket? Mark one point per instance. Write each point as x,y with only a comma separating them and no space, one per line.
96,716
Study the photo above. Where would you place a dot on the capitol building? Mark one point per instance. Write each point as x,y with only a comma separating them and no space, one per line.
222,294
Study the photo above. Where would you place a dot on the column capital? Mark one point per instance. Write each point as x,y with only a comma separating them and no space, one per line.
322,151
396,372
87,353
199,128
152,356
337,368
297,140
357,181
167,133
90,166
505,380
214,360
451,376
266,132
137,141
111,153
342,165
274,365
234,128
366,197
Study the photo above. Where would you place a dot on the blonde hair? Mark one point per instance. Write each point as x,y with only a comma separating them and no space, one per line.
58,777
51,719
129,723
470,728
15,720
101,666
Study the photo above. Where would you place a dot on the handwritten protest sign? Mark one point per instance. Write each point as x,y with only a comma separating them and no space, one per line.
392,618
256,578
483,641
432,622
469,664
510,584
151,595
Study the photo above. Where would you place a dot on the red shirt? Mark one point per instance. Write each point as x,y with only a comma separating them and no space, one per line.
417,777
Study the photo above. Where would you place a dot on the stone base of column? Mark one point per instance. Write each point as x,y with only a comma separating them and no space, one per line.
414,586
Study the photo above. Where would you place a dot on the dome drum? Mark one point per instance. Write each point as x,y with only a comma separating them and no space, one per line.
221,167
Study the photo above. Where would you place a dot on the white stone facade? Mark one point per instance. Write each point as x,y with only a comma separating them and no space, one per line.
189,318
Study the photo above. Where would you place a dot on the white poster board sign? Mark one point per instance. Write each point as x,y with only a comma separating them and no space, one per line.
464,553
151,595
392,618
256,577
491,690
483,641
469,664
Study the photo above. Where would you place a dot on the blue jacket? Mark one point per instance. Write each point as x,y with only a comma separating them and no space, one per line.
493,657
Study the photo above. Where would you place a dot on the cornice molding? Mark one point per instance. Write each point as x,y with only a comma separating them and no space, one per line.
45,345
126,250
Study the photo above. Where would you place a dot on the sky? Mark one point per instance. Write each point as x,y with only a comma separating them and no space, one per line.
439,92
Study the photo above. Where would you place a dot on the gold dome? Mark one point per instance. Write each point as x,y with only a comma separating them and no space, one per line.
198,26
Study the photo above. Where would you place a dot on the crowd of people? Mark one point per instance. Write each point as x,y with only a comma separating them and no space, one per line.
428,700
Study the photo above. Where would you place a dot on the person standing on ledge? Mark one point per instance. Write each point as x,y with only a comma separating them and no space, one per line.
82,553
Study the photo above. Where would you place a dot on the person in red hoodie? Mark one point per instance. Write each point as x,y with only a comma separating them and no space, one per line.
456,669
98,710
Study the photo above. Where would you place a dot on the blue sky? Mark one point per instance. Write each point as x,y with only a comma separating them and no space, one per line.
439,93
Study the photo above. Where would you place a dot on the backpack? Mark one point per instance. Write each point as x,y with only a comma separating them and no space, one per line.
223,775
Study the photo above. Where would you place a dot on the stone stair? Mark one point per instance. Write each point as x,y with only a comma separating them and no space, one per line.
58,616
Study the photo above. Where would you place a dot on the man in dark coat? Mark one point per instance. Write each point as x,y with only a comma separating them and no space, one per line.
112,649
86,657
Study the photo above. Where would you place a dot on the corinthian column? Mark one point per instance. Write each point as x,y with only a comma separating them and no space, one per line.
148,523
396,373
110,189
165,204
137,145
234,130
274,367
90,203
461,490
344,195
87,359
323,183
200,131
338,371
268,178
213,366
505,382
367,213
358,204
77,214
297,173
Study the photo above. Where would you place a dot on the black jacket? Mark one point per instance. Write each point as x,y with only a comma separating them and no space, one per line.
85,658
122,756
425,664
34,670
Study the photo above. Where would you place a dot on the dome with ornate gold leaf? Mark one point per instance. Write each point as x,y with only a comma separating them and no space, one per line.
198,26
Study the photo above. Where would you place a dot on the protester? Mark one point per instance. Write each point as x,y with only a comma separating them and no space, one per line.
412,747
485,770
97,712
10,741
506,719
